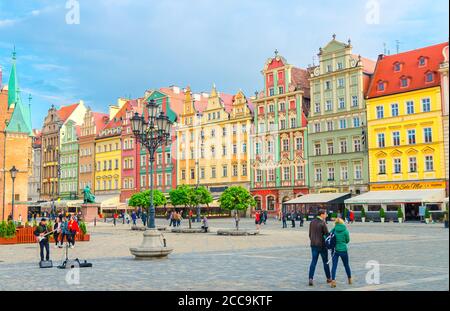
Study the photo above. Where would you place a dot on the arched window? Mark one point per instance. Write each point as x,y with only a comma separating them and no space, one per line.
258,203
270,203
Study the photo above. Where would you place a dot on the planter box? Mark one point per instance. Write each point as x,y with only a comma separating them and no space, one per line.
8,241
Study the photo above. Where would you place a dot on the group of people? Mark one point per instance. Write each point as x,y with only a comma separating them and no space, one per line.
175,219
65,228
293,216
260,218
318,232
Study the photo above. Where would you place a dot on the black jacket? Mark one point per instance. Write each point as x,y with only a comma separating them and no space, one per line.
318,230
41,229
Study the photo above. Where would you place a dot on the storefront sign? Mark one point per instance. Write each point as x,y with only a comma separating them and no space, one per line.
409,186
328,190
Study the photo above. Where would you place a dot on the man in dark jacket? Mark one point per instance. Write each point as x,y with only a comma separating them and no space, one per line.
41,232
317,232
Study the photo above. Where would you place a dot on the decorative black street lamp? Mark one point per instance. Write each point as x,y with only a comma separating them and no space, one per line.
152,134
13,172
197,163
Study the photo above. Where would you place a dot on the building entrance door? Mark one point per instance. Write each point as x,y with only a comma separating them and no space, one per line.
412,212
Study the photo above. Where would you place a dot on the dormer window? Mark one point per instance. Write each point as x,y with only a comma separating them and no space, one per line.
404,82
422,61
397,67
429,77
381,86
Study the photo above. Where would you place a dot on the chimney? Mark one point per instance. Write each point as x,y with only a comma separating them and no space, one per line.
380,57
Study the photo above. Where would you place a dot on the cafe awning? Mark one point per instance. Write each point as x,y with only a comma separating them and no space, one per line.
318,198
400,196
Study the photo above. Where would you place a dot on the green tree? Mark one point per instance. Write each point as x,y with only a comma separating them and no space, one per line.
142,199
236,199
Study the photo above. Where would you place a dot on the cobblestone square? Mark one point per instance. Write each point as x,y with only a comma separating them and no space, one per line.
411,257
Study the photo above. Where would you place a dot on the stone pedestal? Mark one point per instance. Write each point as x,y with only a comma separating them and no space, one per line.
152,246
90,211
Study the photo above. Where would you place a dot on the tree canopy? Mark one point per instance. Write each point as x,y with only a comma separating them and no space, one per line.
236,198
190,197
142,199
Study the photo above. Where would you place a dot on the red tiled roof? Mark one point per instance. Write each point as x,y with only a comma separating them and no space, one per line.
65,112
176,99
100,120
384,71
300,78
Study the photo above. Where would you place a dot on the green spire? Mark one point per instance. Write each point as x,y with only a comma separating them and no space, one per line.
20,121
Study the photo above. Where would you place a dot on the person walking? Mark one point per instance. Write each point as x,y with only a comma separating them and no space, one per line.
341,251
265,216
134,217
144,218
293,219
41,232
205,224
258,220
300,214
317,232
284,219
352,216
73,227
57,231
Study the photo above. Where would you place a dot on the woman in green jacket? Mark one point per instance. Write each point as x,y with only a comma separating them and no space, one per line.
342,239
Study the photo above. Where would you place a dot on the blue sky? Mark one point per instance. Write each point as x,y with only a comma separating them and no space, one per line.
123,47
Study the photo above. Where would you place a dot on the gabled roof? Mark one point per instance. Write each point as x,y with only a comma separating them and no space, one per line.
300,78
65,111
100,121
409,68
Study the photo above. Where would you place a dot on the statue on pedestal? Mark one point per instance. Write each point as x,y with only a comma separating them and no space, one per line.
88,196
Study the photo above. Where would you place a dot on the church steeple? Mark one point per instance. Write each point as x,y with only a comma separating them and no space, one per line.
20,121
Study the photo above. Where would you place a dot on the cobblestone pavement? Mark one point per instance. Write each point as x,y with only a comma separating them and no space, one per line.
411,257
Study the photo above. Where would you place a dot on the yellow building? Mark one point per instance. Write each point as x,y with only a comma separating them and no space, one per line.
405,134
213,141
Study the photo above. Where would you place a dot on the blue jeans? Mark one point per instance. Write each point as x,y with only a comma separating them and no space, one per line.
344,256
323,252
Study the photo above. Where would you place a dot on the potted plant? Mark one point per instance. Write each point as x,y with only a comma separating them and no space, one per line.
400,215
8,233
427,216
363,215
382,215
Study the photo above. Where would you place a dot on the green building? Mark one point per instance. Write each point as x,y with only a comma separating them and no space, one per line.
338,156
68,161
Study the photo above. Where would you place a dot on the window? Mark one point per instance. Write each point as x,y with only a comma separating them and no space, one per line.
342,124
213,152
329,105
355,121
244,169
381,141
213,133
422,61
244,147
282,124
316,127
427,135
224,150
380,112
271,108
159,180
183,174
169,158
358,171
341,82
354,101
271,175
429,77
397,166
340,66
330,147
280,90
429,166
317,107
258,175
403,82
235,170
293,122
330,173
286,173
317,149
426,105
329,68
159,158
409,107
380,86
285,145
357,144
396,138
225,171
343,146
270,146
192,175
299,143
394,110
411,137
397,67
271,91
168,179
412,164
224,131
213,172
116,162
344,172
318,174
341,103
330,125
300,172
244,128
382,167
258,148
143,181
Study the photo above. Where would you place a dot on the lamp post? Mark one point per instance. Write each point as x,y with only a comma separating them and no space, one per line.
13,172
152,134
197,163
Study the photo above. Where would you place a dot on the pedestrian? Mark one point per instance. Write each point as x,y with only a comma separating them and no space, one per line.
57,231
300,214
205,224
293,215
134,217
191,215
352,216
341,250
41,232
20,219
115,216
144,218
73,227
258,220
179,218
265,217
236,219
64,232
171,219
317,232
284,218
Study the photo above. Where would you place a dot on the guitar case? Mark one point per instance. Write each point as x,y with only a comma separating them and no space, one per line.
46,264
70,264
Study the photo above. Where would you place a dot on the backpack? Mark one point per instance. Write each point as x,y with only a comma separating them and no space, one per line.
330,241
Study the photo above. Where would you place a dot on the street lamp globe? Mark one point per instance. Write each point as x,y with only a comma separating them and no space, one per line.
13,172
152,108
136,124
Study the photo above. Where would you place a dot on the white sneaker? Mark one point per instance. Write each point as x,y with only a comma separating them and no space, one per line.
72,246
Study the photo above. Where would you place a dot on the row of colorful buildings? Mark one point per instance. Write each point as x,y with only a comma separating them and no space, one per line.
347,125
